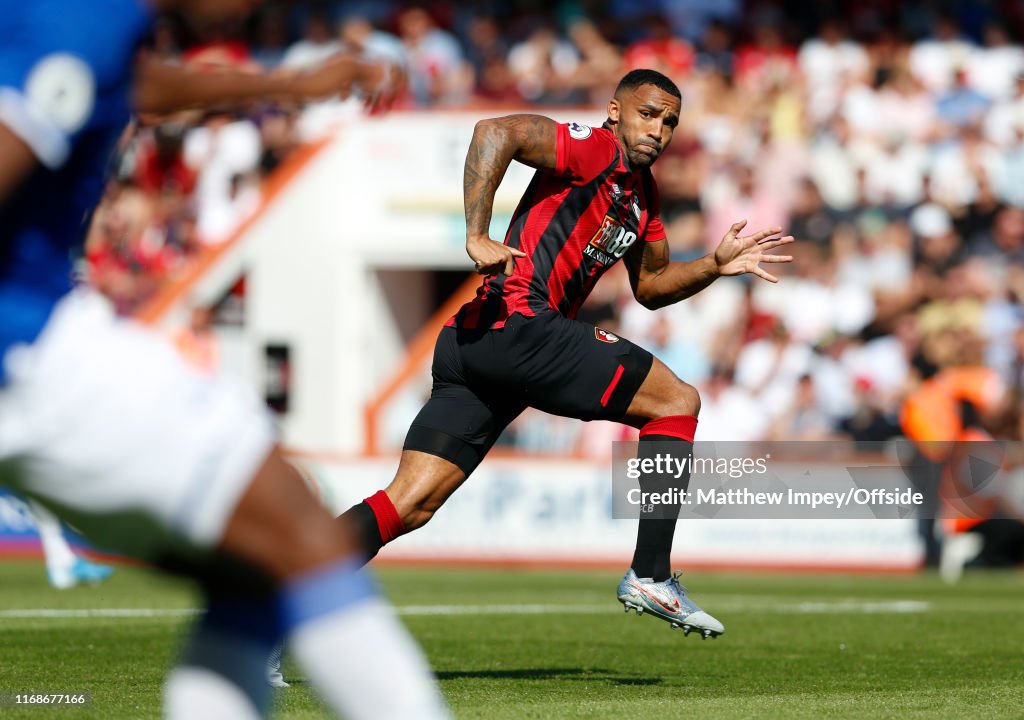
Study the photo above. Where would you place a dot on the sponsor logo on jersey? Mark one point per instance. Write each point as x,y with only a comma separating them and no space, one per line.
605,336
612,239
578,131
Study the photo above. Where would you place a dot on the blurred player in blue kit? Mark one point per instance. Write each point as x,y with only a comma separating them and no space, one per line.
103,423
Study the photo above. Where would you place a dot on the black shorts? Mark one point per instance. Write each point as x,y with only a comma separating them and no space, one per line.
483,379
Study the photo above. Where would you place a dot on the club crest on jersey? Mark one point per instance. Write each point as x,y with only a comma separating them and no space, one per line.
578,131
612,239
605,336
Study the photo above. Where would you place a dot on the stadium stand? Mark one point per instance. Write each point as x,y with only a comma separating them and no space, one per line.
890,141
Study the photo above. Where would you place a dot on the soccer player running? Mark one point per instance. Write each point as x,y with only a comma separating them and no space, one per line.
592,202
101,421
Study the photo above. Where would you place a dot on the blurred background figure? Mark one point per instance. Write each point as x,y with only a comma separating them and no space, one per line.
318,43
64,567
198,343
436,63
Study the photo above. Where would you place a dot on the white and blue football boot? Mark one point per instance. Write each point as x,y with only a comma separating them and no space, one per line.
79,572
667,600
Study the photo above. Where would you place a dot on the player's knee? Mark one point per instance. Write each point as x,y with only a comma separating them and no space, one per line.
684,400
418,513
416,519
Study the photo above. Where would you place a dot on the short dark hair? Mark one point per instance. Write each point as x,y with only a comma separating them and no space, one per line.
642,76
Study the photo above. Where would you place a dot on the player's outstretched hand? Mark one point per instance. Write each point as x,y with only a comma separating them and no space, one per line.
491,257
737,255
379,80
385,84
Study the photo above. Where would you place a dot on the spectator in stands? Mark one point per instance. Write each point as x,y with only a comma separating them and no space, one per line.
600,64
827,62
961,105
221,45
905,107
485,43
719,115
993,68
544,66
868,423
166,43
729,411
125,248
765,61
684,359
435,58
278,138
938,248
809,219
690,19
934,60
716,49
833,168
659,50
894,171
1010,184
744,197
160,166
803,419
272,37
960,166
317,44
770,369
361,37
226,150
1006,116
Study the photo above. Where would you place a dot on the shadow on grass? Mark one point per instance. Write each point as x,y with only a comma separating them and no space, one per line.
589,674
586,674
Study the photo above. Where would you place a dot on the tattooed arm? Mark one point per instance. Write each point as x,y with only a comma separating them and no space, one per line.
657,282
530,139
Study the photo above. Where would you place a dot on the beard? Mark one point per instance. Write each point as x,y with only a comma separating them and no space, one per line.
641,160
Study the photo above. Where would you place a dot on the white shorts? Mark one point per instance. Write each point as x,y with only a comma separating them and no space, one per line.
103,421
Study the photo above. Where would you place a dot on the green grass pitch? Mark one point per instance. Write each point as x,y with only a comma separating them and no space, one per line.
514,644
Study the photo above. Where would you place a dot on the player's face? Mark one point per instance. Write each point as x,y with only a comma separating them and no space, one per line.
644,119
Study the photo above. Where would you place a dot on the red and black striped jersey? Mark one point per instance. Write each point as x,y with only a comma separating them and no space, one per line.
573,223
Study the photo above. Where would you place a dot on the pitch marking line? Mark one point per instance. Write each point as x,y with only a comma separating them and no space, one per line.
856,606
841,606
100,613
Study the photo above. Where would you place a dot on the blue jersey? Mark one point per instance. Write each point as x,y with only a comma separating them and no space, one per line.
65,77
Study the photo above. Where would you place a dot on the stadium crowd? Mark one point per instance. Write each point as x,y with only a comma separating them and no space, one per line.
888,137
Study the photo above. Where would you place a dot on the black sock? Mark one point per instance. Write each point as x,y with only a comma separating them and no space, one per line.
652,557
362,518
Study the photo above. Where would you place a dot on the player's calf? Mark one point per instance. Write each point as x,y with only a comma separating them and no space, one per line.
421,486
